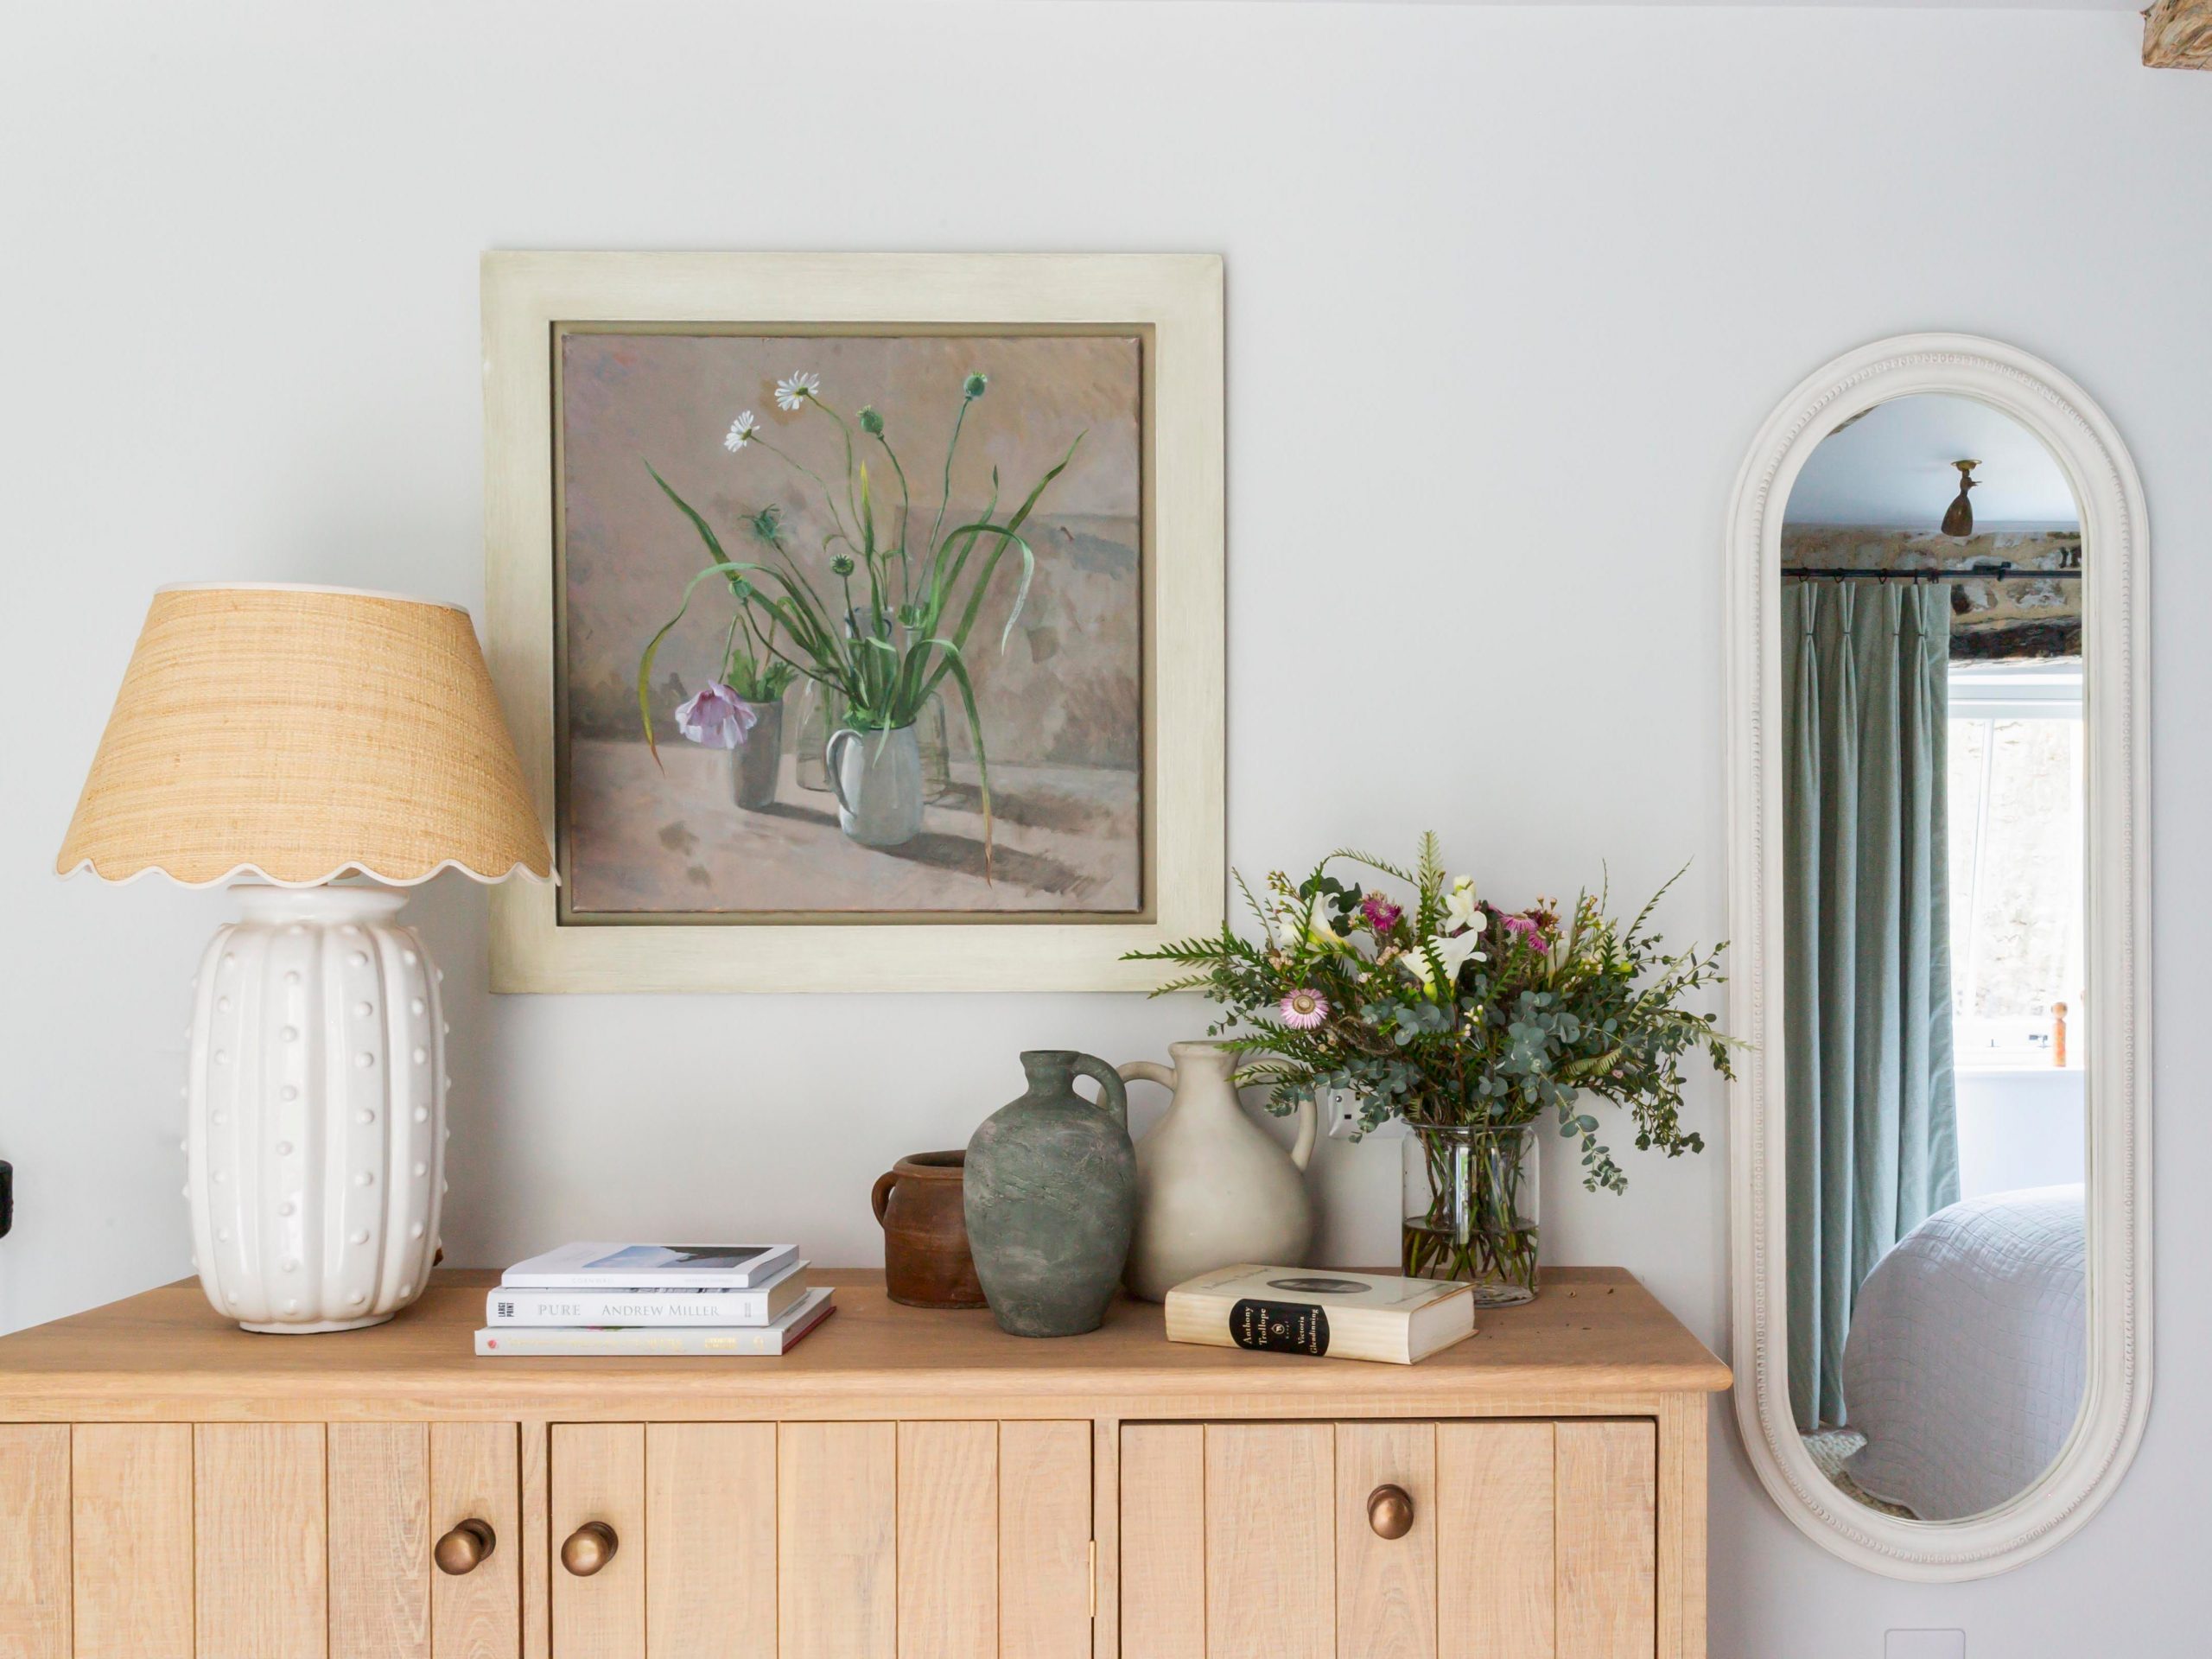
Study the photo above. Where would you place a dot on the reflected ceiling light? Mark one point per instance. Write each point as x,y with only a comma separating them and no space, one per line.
1959,519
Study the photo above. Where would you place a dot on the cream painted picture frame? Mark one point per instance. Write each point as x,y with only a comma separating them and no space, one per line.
1166,877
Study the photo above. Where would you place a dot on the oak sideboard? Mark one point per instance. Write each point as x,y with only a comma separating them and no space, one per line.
904,1484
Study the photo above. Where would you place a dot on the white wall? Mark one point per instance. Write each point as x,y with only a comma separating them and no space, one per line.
1508,292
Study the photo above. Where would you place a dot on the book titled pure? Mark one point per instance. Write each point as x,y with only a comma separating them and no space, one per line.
698,1305
1321,1311
779,1336
651,1267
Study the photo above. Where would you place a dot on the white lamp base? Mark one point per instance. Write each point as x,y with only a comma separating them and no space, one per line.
315,1120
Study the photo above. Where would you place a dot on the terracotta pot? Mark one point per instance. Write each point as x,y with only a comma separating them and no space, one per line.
922,1207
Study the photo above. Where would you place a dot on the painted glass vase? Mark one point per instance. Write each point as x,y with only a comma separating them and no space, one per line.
1471,1208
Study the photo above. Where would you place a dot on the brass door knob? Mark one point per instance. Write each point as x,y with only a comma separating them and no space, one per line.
589,1547
465,1547
1391,1512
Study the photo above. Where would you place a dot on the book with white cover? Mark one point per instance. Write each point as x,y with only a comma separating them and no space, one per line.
651,1267
1321,1311
701,1305
509,1341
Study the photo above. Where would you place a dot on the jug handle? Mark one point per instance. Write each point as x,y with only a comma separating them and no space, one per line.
1149,1071
1309,1118
879,1199
830,761
1112,1096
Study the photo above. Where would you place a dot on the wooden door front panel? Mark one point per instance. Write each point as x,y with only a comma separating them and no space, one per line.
35,1517
1529,1540
475,1474
131,1509
260,1550
1605,1478
597,1474
710,1541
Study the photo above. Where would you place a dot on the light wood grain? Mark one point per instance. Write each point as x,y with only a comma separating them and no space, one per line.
380,1526
131,1497
167,1356
599,1474
1270,1496
1163,1523
260,1548
1680,1522
948,1540
836,1539
1605,1478
1494,1540
1386,1587
711,1531
536,1562
1044,1588
475,1475
34,1519
1105,1538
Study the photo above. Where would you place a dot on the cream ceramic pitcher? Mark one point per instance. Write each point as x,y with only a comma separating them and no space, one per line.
1213,1188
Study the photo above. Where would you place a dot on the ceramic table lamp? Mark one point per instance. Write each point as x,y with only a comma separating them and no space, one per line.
279,738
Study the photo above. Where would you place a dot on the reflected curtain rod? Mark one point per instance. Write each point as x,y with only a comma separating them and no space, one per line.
2004,572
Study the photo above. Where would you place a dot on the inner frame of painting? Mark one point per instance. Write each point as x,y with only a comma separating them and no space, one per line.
740,808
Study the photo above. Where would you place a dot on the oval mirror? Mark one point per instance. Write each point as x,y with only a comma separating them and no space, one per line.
1941,1138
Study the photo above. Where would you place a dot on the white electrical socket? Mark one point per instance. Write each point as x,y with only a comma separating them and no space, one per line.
1340,1114
1924,1645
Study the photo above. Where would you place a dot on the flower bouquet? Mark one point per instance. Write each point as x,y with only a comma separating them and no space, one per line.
878,633
1471,1024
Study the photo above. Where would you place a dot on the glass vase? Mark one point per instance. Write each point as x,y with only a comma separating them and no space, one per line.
929,733
821,711
1471,1208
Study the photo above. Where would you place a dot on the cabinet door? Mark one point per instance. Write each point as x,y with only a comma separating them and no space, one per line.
1527,1540
826,1541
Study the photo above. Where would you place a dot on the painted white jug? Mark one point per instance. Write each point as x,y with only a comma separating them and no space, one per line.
1213,1187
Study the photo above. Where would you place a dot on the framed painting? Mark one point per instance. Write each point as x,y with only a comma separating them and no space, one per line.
859,617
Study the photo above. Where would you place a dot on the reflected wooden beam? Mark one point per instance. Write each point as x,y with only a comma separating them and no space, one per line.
2178,34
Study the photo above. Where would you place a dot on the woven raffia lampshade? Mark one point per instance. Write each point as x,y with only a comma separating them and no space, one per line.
299,733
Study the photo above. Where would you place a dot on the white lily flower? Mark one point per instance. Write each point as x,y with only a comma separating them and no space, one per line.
1453,952
1304,924
1459,907
793,392
742,431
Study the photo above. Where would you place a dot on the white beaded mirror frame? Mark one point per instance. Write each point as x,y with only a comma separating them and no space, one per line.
2117,1027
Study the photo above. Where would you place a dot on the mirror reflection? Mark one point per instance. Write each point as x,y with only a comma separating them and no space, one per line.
1932,689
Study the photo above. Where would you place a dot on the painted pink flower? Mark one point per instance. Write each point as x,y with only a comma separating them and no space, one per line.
717,718
1303,1009
1382,915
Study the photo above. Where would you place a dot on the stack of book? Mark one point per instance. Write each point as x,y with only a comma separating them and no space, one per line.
654,1298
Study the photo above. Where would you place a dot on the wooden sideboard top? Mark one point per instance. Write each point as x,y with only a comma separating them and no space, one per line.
1594,1342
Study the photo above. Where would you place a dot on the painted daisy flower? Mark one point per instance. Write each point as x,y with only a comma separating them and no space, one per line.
793,392
742,431
1382,915
1303,1009
716,718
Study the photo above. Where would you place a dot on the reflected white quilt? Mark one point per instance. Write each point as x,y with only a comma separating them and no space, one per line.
1964,1365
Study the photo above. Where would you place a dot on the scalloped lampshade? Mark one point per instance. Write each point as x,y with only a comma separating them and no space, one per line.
292,736
298,733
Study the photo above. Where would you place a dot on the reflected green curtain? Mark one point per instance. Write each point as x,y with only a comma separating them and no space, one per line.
1872,1141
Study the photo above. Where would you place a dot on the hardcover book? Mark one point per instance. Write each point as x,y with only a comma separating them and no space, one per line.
1321,1311
651,1267
508,1341
700,1304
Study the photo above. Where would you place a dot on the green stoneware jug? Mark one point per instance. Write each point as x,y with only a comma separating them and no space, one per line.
1051,1198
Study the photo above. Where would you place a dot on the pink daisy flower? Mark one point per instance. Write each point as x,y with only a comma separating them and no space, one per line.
1382,915
1303,1009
